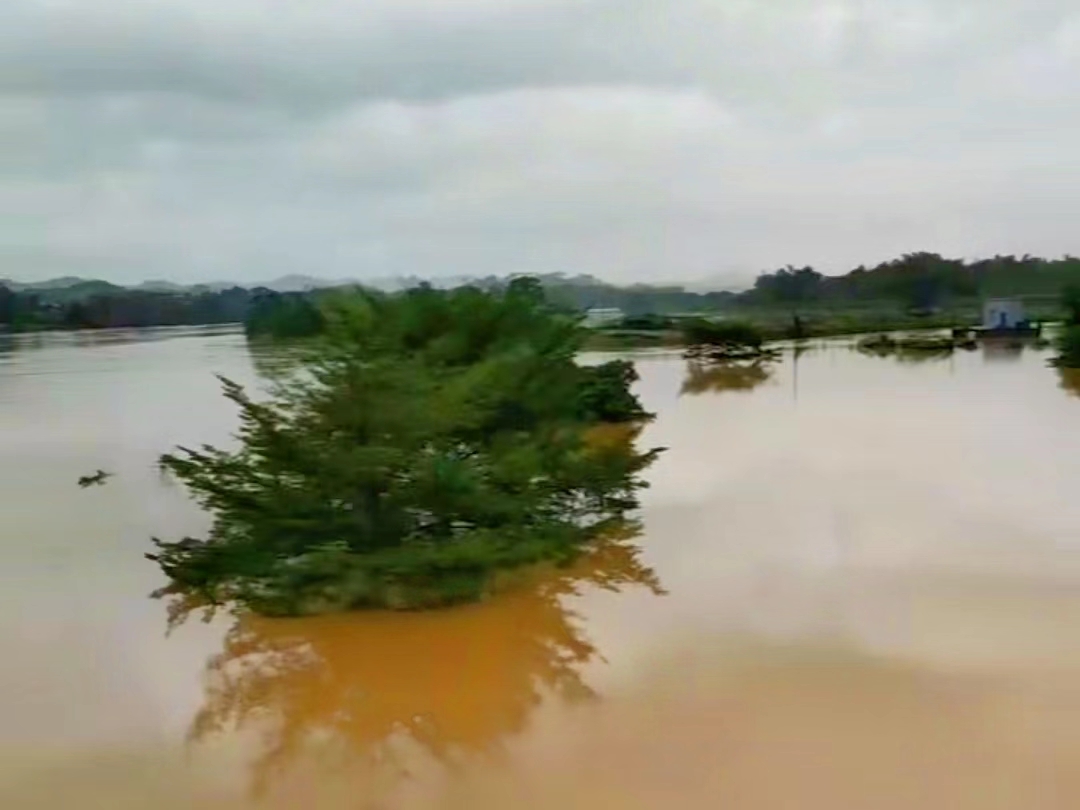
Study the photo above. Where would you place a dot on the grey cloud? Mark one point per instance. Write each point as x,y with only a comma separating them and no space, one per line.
321,53
631,139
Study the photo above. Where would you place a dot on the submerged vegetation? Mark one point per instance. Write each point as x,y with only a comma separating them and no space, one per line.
1068,340
725,356
1068,347
701,332
432,441
285,315
925,346
721,341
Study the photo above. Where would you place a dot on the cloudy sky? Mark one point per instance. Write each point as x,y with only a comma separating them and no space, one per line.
631,139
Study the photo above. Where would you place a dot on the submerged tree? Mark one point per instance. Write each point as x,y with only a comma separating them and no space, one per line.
724,341
724,334
1070,302
431,440
284,315
1068,346
1068,340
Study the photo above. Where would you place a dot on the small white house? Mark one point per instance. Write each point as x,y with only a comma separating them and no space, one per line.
1003,313
598,316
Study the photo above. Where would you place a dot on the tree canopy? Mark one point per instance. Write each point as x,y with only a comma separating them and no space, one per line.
918,280
428,441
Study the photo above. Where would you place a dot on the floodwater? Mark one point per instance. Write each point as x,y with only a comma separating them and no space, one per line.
857,586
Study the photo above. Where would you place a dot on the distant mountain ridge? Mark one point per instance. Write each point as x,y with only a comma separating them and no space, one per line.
48,284
70,288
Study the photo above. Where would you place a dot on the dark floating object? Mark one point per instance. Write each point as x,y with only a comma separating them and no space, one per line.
96,479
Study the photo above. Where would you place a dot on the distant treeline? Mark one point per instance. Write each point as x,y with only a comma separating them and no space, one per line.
919,280
119,307
913,281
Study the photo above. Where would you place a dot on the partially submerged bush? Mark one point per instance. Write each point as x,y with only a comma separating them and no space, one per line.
434,440
1068,347
701,332
914,346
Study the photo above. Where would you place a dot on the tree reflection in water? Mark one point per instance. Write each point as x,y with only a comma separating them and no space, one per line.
454,681
996,351
702,378
1069,380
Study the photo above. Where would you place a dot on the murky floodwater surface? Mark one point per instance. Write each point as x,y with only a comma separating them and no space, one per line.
857,585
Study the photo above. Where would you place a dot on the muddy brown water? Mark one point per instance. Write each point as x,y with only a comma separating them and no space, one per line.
858,586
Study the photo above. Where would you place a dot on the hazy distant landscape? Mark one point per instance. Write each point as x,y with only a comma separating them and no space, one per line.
905,291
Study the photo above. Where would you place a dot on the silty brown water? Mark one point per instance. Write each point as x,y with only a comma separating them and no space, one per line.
857,586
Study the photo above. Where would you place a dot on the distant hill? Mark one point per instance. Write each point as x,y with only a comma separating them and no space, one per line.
915,280
734,281
49,284
71,287
156,285
296,283
76,290
287,283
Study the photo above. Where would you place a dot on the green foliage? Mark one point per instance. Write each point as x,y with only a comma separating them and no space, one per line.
1070,302
605,393
284,315
891,295
99,305
920,281
433,439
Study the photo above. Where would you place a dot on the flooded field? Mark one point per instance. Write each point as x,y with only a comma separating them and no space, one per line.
857,586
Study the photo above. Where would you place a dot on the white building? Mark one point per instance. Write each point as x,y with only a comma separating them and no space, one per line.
598,316
1003,313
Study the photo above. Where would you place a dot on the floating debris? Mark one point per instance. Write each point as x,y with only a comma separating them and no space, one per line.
96,479
724,354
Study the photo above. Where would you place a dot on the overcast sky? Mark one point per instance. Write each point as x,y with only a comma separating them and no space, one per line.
632,139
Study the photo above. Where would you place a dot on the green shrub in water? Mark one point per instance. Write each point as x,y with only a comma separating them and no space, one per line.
433,440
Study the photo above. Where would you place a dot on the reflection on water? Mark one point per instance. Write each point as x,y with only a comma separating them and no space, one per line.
704,378
998,351
1069,379
272,362
384,683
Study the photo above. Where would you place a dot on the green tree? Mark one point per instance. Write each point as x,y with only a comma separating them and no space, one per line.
284,315
431,440
1068,340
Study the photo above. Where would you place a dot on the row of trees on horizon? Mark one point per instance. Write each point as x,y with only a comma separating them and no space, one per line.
916,280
